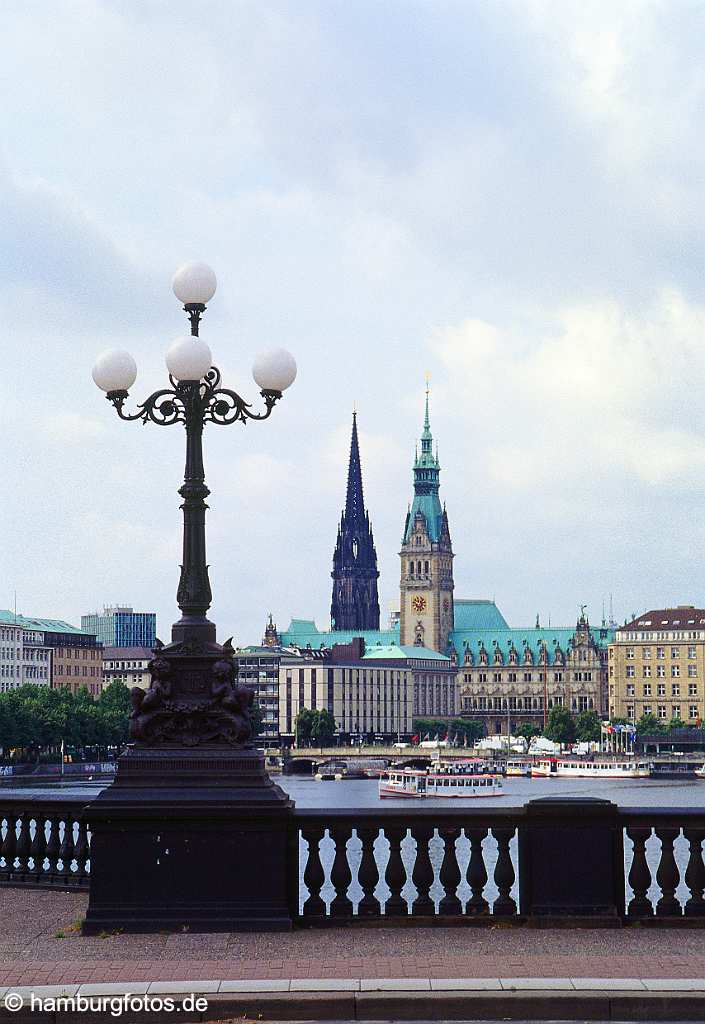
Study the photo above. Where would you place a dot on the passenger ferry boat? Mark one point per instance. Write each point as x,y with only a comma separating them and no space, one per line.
574,768
519,768
446,780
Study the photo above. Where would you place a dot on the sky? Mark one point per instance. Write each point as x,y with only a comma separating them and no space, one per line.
505,195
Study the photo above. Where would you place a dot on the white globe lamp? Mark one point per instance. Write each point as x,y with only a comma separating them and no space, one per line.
114,370
189,358
274,370
194,284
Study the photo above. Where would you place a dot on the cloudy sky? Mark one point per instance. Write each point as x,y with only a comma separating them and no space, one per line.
506,195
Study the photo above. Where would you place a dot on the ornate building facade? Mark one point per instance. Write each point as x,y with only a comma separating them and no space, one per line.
426,583
354,604
502,675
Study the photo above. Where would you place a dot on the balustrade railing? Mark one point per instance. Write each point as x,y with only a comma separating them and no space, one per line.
43,843
403,864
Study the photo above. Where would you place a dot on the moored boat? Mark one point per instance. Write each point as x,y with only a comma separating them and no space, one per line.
575,768
518,767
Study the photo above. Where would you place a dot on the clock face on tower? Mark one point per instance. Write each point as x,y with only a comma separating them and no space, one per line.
419,603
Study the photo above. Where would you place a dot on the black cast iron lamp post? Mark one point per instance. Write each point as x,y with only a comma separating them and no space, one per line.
194,399
192,809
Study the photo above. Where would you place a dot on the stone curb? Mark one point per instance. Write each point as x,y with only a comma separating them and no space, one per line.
625,999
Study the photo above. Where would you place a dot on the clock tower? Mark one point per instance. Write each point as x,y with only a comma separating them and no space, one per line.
426,598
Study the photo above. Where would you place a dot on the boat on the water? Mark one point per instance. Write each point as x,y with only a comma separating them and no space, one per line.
700,772
518,767
575,768
439,780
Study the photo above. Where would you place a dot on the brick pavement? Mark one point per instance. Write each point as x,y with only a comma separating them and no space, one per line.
40,944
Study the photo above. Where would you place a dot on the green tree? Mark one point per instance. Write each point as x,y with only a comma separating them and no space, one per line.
528,731
677,723
303,726
469,729
322,727
588,727
649,724
561,726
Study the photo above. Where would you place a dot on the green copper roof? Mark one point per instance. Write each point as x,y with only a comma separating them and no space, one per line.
44,625
426,483
478,615
305,633
560,635
389,652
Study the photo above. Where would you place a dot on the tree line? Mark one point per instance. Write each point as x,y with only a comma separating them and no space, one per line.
34,720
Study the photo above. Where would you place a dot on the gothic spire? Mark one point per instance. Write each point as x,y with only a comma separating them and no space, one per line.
355,603
354,501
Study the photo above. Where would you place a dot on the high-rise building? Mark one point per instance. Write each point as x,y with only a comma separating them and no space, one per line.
426,583
355,604
122,627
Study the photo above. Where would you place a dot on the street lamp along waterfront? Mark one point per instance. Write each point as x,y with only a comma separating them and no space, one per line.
192,809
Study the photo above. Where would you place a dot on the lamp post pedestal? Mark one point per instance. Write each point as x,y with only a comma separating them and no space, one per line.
192,834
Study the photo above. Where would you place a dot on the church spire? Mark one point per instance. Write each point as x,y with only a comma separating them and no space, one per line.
354,501
355,603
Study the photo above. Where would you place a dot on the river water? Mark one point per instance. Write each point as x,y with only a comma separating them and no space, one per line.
630,793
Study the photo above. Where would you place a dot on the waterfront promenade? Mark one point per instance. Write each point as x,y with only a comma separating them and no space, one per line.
40,946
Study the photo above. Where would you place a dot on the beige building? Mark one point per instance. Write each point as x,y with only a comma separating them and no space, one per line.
657,666
373,692
127,665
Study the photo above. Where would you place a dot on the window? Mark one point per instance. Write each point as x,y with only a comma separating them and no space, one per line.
630,711
630,652
661,671
630,671
693,711
660,689
675,689
675,711
675,652
647,709
662,711
693,671
692,689
631,689
691,652
647,689
675,671
646,671
660,652
646,653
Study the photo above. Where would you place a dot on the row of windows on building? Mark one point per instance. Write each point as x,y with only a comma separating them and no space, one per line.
647,709
9,634
660,671
675,652
646,690
85,653
527,677
11,653
78,670
491,704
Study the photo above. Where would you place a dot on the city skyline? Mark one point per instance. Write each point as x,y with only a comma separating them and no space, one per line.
384,192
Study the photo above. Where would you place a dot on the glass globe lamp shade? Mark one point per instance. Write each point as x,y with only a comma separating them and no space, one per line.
189,358
194,283
115,370
274,370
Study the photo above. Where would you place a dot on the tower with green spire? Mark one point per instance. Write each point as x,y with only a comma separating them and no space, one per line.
426,583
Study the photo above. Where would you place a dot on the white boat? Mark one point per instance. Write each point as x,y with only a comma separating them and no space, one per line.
439,780
518,768
700,772
574,768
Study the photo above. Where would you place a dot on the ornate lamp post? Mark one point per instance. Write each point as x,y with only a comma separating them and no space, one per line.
192,808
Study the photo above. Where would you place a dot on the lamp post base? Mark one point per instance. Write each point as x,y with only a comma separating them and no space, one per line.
191,839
